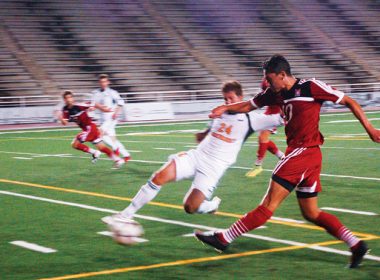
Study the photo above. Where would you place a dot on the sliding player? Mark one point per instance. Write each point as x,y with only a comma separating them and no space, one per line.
217,151
264,142
78,114
110,98
300,169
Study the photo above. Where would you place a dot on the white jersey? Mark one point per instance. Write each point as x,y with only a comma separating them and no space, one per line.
228,133
109,98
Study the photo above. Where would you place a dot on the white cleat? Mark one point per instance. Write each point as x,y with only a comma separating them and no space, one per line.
109,220
118,164
95,156
218,201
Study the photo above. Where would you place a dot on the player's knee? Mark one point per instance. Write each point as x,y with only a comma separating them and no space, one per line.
74,144
311,216
190,208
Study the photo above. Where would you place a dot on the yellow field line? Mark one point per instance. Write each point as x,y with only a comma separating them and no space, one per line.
193,261
166,205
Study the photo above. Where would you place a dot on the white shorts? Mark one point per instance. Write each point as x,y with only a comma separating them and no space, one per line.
205,172
108,127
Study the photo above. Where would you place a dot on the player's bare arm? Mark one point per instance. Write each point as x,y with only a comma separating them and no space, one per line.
116,113
356,109
239,107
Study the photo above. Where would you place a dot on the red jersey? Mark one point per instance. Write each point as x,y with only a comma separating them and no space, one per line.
272,110
301,106
77,114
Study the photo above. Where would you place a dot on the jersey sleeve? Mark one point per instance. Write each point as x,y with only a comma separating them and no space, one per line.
65,114
262,99
117,98
323,92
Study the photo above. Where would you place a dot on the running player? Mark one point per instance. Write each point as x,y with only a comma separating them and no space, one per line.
110,98
78,114
264,142
217,151
300,169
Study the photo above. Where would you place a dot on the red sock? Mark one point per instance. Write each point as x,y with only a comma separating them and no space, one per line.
333,226
262,150
82,147
250,221
107,151
272,147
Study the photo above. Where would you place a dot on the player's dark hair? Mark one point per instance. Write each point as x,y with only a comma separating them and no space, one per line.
277,63
234,86
103,76
66,93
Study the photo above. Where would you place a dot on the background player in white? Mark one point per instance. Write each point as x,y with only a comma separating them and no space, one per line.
110,98
217,151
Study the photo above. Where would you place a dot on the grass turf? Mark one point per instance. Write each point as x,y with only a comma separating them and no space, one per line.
73,231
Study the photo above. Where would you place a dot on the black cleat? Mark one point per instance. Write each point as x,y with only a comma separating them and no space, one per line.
211,240
358,254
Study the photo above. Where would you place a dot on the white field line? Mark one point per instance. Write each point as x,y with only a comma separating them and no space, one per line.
351,121
350,211
346,114
29,130
163,162
288,220
33,247
160,132
193,145
165,149
23,158
184,224
135,239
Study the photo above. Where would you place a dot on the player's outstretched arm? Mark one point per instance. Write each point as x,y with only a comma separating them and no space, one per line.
356,109
102,108
239,107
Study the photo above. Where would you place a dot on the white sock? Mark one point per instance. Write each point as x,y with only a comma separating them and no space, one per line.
108,140
208,206
122,150
146,194
279,154
91,151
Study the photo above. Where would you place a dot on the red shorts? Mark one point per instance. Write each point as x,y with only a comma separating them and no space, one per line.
91,134
300,170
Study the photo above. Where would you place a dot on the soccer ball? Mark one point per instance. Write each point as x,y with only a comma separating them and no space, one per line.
126,233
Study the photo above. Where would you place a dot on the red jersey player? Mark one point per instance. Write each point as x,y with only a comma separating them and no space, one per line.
300,169
78,114
264,142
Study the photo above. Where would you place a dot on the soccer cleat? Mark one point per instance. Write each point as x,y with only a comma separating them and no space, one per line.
254,172
126,159
118,164
211,240
117,152
358,253
218,201
109,220
95,156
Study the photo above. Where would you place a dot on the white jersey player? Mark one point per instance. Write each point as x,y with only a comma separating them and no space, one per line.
109,98
217,151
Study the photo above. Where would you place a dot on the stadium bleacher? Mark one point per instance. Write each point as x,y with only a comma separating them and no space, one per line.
150,46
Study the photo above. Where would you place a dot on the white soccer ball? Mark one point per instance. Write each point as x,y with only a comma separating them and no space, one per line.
126,233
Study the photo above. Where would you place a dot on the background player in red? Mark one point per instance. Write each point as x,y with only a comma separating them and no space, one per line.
300,169
264,142
78,114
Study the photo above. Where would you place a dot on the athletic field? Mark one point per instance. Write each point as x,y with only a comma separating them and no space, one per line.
53,197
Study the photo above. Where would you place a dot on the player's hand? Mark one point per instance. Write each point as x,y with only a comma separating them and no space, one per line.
374,134
200,136
217,112
64,121
114,116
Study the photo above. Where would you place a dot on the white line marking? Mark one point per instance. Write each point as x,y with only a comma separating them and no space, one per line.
135,239
346,114
33,247
24,158
162,132
233,167
134,151
288,220
350,211
351,121
165,149
191,146
174,222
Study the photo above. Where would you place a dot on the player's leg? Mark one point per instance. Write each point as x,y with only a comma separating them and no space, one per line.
78,145
257,217
273,149
196,201
311,212
117,144
263,140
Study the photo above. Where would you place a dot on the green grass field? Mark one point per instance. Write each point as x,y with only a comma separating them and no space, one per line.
45,185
